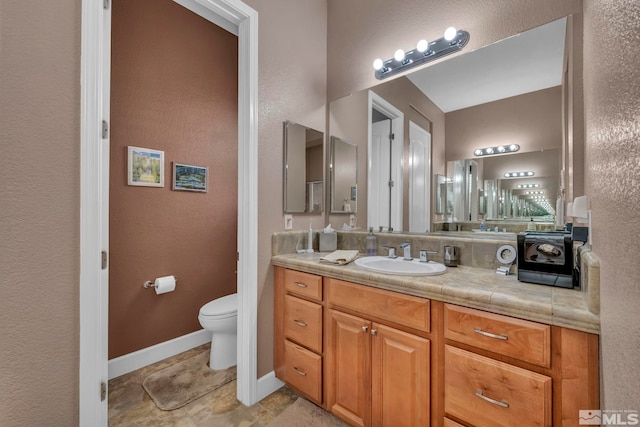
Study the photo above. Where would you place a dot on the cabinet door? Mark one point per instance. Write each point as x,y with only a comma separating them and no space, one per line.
400,378
348,368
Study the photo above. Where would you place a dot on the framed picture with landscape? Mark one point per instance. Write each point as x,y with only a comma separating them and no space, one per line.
190,177
145,167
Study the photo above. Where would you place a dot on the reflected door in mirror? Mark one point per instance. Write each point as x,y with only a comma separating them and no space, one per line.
303,169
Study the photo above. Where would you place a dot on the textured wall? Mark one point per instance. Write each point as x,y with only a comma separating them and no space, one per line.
39,205
174,79
612,103
292,86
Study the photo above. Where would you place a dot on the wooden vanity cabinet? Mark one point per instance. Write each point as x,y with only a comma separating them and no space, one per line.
376,375
298,332
380,358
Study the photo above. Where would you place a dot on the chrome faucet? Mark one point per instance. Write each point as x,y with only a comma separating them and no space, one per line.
392,251
406,247
424,257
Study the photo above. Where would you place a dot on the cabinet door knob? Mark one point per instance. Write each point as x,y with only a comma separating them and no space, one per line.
365,328
490,400
490,335
300,371
300,323
374,332
300,285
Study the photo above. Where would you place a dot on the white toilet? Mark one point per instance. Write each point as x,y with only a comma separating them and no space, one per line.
220,316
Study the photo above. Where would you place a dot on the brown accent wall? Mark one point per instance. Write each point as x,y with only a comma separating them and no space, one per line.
174,87
612,102
532,120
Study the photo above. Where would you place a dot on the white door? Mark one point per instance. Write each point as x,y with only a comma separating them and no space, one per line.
379,201
419,179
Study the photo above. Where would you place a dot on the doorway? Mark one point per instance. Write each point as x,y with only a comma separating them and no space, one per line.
385,164
94,203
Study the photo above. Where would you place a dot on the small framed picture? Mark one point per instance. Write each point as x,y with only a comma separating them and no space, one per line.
190,177
145,167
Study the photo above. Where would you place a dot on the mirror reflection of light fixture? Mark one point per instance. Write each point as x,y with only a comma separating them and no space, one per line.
500,149
522,174
528,185
452,41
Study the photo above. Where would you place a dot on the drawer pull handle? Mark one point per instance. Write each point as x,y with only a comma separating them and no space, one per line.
490,335
490,400
300,285
300,371
300,323
374,332
365,328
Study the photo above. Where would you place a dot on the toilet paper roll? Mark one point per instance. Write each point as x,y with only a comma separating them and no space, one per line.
165,284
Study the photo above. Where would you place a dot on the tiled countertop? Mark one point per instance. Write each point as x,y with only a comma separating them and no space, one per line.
473,287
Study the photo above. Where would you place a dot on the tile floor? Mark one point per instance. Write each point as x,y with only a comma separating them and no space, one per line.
129,404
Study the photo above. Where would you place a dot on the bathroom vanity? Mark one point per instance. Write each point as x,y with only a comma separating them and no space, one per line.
468,348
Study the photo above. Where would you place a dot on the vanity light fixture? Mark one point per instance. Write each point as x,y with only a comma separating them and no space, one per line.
452,41
500,149
534,192
523,174
528,185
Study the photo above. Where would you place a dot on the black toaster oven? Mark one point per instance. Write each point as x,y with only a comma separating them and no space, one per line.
546,258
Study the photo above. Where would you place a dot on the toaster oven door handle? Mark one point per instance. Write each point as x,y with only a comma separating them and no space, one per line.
490,335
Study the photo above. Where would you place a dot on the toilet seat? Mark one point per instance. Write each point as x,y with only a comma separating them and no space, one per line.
221,308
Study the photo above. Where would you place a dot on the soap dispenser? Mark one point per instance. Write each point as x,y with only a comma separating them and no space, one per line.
371,243
531,226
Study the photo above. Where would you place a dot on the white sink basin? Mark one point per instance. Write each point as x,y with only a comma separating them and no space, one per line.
399,266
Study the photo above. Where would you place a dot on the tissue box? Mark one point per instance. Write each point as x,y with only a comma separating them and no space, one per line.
328,241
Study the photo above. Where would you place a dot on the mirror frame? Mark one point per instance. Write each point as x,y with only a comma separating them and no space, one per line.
285,170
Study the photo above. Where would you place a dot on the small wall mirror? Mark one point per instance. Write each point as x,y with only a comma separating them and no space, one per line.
303,169
343,169
441,195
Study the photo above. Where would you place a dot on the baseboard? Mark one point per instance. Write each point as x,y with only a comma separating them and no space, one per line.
141,358
267,384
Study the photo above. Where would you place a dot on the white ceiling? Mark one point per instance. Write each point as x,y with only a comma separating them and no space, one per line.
527,62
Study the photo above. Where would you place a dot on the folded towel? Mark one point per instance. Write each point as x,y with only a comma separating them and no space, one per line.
340,257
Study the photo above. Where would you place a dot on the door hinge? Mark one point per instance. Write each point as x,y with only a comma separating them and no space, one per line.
237,256
106,4
391,184
105,129
104,260
392,136
103,391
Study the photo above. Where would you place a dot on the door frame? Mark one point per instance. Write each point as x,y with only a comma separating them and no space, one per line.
95,66
397,128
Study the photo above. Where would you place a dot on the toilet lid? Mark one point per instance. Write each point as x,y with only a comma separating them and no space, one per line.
221,306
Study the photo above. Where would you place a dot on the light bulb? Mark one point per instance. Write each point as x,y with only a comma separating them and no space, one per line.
489,150
478,152
514,147
530,173
501,149
422,46
377,64
450,33
521,173
507,175
399,55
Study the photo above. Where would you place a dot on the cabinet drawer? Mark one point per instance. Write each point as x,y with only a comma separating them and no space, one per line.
521,339
406,310
304,284
303,370
488,393
303,322
449,423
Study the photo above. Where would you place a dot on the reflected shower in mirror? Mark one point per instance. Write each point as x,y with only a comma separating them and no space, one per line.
303,169
343,169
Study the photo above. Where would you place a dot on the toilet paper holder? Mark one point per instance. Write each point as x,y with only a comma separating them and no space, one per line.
152,284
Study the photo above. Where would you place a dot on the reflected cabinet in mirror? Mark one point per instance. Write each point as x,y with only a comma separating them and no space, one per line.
303,169
343,168
493,97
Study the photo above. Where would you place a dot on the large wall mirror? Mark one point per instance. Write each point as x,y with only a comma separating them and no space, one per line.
515,91
303,169
343,168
